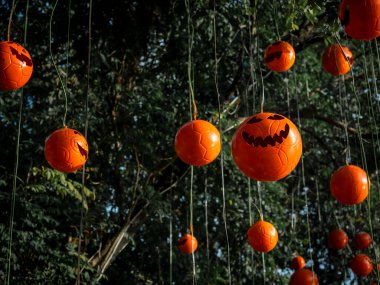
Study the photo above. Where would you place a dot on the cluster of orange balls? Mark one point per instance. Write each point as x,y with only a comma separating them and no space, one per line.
265,147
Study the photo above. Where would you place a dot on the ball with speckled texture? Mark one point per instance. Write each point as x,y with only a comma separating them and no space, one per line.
262,236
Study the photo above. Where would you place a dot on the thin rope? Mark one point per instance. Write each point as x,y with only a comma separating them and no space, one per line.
15,173
206,226
221,143
189,60
68,44
55,65
275,19
13,7
191,222
171,237
372,120
82,217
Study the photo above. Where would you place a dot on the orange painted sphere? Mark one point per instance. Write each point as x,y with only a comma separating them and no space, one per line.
298,263
360,18
334,60
279,56
361,265
188,244
16,66
66,150
262,236
266,147
337,239
197,143
349,185
303,277
362,240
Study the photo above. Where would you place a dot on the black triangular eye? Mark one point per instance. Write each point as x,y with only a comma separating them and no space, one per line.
276,117
254,120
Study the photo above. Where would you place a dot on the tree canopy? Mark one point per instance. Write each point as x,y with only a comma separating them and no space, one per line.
134,67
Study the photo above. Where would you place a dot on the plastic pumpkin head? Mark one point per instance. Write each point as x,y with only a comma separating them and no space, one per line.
197,143
298,263
303,277
16,66
349,185
337,239
361,265
362,240
262,236
66,150
188,244
267,147
360,18
334,61
279,56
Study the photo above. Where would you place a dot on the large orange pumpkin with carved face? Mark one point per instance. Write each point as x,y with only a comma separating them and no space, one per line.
267,147
66,150
279,56
349,185
361,19
334,61
16,66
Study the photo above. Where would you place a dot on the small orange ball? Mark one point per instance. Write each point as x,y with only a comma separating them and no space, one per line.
349,185
303,277
298,263
16,66
362,240
334,60
66,150
361,265
188,244
262,236
279,56
266,147
197,143
337,239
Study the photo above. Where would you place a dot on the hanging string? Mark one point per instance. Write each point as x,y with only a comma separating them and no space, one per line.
190,76
275,19
206,226
13,7
191,222
372,120
15,173
55,65
171,238
86,115
68,44
221,142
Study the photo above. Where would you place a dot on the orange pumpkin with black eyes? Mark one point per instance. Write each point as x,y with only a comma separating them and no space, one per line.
334,61
188,244
279,56
16,66
361,19
66,150
267,147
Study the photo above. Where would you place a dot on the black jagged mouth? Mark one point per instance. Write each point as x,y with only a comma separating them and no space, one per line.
21,57
268,140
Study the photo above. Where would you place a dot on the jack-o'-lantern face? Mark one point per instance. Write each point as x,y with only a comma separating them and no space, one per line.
360,18
267,147
279,56
66,150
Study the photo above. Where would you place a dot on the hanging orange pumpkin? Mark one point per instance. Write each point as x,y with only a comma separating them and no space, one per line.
197,143
66,150
362,240
349,185
303,277
334,61
298,262
188,244
279,56
360,18
262,236
361,265
337,239
267,147
16,66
